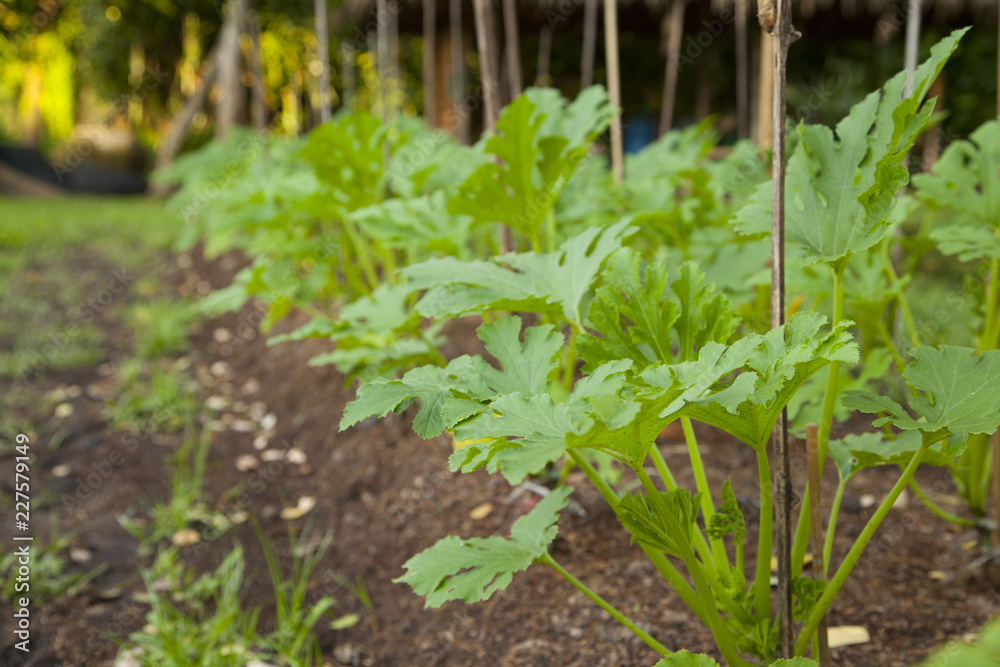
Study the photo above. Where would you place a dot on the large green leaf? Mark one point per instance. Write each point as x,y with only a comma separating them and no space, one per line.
465,386
650,528
639,320
686,659
559,282
779,365
964,181
960,395
422,222
841,185
856,452
533,167
473,569
346,153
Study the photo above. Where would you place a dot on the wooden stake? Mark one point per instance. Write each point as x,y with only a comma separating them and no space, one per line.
544,55
776,19
487,63
672,27
765,91
258,107
430,48
912,43
347,74
228,64
323,55
816,533
457,44
742,107
589,43
614,86
513,48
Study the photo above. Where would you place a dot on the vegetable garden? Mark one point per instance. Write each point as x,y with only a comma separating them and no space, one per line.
617,309
678,408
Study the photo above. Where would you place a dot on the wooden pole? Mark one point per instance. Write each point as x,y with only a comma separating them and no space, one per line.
513,48
614,86
487,63
912,44
672,28
394,82
228,63
430,48
347,74
742,106
258,105
765,92
323,56
776,19
457,44
589,43
816,533
544,55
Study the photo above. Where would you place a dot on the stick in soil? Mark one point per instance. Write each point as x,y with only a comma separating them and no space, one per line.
776,18
614,87
816,528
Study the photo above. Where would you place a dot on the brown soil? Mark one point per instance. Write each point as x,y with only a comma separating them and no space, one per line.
385,495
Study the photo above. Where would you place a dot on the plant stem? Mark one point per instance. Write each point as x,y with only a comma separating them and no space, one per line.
801,541
831,526
606,606
707,506
762,578
665,567
711,612
837,582
570,369
937,509
661,467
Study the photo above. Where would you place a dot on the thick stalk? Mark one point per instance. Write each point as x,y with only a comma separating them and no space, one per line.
837,582
661,467
821,646
720,633
606,606
831,526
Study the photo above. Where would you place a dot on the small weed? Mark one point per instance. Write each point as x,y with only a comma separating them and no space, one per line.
161,327
49,577
151,399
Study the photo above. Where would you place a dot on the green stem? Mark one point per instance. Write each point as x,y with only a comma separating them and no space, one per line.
987,342
707,506
704,590
665,567
801,541
661,467
837,582
570,368
974,472
937,509
762,582
904,304
831,526
897,358
606,606
364,261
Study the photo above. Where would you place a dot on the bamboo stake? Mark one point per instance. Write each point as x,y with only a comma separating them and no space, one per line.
544,55
673,26
393,84
430,46
776,19
323,56
765,91
382,39
589,43
816,530
742,110
614,86
487,62
457,45
258,107
513,48
912,44
347,69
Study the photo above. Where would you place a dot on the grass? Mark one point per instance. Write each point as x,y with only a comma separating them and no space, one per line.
65,264
151,398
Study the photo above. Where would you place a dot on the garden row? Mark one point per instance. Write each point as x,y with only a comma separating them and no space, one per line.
612,309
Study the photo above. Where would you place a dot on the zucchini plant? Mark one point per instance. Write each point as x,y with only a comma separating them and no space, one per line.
657,344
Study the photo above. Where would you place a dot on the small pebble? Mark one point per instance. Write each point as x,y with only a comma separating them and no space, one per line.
260,442
296,456
186,537
268,421
251,386
215,402
247,462
272,455
63,410
242,426
304,506
221,335
61,470
219,369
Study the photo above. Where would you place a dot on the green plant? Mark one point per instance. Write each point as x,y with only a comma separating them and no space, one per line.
161,327
186,506
50,574
658,348
962,187
151,397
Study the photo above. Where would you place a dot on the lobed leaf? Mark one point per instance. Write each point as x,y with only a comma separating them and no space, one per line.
961,395
473,569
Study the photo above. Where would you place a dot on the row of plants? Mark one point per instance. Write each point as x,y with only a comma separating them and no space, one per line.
616,309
